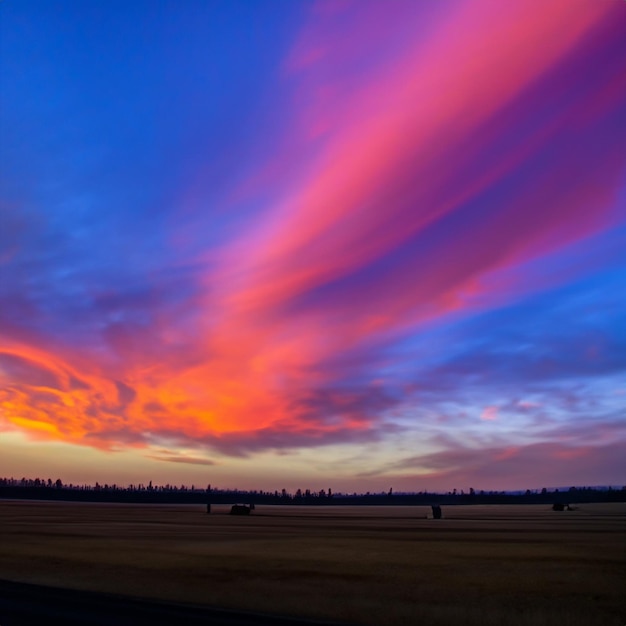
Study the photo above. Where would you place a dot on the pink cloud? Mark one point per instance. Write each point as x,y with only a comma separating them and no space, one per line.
410,194
489,413
527,404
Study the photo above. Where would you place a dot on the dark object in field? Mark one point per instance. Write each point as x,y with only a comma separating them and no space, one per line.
241,509
558,506
208,507
436,511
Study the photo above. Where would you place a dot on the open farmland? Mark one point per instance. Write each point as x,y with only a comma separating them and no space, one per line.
519,564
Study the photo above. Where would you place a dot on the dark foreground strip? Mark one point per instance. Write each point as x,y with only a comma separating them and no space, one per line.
34,605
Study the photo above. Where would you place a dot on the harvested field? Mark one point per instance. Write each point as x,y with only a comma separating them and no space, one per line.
515,565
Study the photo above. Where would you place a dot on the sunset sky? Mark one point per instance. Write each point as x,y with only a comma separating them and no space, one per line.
348,244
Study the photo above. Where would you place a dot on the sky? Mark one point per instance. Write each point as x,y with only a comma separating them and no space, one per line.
270,244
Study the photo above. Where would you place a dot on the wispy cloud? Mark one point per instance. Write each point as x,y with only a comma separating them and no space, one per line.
175,457
425,238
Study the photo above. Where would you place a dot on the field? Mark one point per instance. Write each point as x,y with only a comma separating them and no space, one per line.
515,565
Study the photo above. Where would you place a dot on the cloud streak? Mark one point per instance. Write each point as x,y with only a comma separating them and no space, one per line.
408,248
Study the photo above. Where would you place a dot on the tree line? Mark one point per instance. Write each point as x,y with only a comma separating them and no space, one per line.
48,489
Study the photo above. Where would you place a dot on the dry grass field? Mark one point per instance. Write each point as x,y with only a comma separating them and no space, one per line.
515,565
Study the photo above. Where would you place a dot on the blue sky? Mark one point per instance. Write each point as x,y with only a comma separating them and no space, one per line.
284,244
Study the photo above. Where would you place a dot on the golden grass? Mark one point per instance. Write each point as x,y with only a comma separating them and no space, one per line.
517,565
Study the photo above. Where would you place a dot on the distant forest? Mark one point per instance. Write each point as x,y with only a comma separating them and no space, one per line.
47,489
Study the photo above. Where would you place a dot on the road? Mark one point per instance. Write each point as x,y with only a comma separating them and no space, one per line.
33,605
